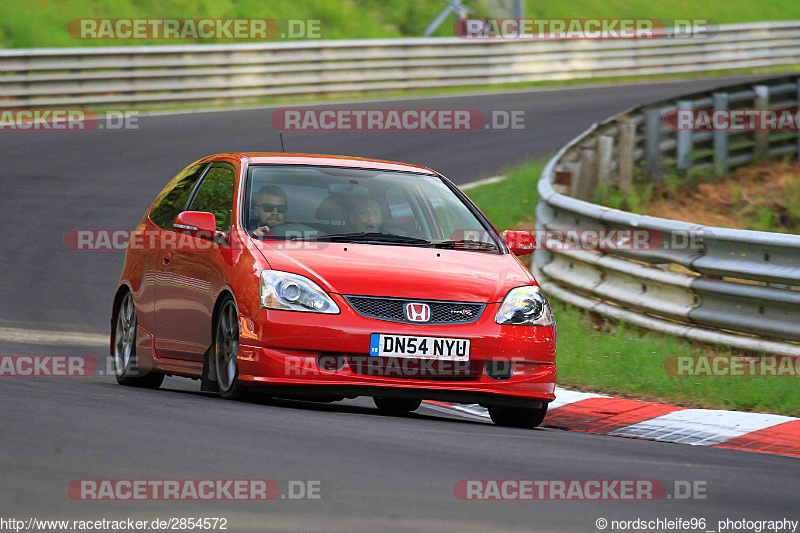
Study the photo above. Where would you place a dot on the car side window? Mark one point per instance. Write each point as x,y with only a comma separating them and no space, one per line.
216,194
174,196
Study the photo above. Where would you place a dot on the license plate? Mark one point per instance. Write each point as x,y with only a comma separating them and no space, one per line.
419,347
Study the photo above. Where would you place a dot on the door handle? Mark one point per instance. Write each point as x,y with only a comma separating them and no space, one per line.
165,259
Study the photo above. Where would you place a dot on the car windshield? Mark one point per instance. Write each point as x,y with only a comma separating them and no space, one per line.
294,202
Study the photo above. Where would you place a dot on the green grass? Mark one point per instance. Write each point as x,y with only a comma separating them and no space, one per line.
776,214
42,23
512,201
624,360
760,212
720,11
600,355
627,200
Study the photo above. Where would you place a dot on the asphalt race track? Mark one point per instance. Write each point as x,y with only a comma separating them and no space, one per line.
377,473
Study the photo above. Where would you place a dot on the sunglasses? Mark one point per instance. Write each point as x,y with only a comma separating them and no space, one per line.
267,208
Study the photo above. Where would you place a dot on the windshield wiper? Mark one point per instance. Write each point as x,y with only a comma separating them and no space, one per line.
368,237
391,238
465,244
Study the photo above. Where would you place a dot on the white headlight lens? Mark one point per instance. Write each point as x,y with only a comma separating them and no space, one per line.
525,306
292,292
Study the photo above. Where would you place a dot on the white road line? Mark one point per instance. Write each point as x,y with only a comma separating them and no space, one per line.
563,397
52,338
456,409
566,397
478,183
472,409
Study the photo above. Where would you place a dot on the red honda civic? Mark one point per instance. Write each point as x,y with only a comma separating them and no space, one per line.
327,277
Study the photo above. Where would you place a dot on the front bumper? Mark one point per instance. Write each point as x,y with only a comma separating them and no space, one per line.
280,350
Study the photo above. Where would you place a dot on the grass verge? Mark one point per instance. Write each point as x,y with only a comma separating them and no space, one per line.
43,23
510,203
763,197
599,355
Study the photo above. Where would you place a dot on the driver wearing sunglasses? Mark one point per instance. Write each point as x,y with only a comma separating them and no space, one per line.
270,208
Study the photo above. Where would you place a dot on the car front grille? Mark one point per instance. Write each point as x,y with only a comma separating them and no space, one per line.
393,310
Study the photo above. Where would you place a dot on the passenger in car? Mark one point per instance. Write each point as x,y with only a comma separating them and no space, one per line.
366,215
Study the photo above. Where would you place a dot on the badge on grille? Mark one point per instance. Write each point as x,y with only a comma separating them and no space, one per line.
418,312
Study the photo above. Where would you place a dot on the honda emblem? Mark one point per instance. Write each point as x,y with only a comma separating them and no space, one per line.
418,312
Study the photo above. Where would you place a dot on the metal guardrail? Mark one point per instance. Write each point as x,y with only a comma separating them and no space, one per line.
733,287
172,75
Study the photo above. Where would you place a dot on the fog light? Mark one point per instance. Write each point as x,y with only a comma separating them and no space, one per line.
331,362
499,370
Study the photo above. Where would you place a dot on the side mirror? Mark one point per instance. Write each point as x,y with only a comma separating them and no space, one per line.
520,242
197,224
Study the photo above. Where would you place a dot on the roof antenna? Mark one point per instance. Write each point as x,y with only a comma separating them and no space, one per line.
282,148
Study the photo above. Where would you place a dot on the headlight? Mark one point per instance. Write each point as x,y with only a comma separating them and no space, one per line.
292,292
525,306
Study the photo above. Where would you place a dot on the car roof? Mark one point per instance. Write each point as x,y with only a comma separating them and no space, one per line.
278,158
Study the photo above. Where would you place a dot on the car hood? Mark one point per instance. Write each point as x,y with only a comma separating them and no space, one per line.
399,271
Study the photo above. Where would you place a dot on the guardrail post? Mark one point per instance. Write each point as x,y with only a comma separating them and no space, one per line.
798,107
721,150
586,175
761,138
627,153
652,132
574,169
684,138
605,147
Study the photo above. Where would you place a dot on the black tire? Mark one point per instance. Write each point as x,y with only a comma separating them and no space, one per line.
517,417
126,369
396,406
225,351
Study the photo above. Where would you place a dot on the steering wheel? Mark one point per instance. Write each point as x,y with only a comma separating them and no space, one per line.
285,231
